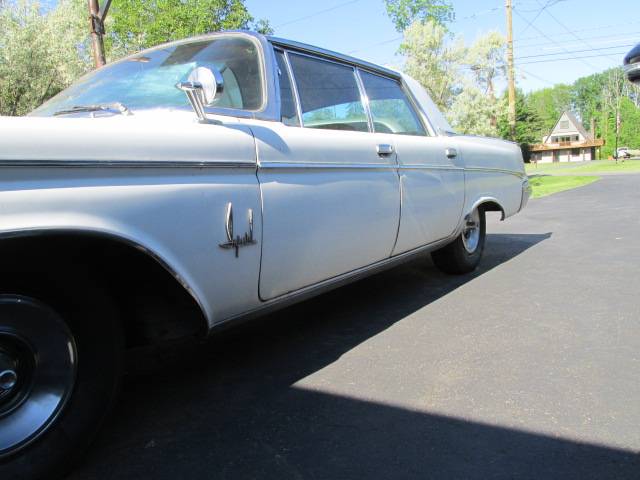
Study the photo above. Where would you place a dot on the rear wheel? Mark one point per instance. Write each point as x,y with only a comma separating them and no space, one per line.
464,253
60,365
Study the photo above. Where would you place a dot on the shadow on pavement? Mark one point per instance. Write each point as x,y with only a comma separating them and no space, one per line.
229,409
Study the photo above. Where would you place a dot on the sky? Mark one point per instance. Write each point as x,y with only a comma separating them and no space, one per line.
565,29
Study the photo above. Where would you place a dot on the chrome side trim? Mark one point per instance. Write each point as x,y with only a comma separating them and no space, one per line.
325,165
124,164
430,167
327,285
495,170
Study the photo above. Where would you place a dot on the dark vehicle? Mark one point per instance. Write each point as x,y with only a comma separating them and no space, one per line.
632,65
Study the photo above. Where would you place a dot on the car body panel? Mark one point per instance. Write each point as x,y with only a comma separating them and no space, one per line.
326,207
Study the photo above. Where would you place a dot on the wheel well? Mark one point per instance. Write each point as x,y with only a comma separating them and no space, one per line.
492,206
153,305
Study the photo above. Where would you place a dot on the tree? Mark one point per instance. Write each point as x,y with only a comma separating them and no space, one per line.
474,112
433,60
549,103
405,12
475,108
486,59
587,96
137,24
527,124
40,54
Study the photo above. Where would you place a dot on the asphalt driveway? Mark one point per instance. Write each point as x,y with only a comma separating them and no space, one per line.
530,368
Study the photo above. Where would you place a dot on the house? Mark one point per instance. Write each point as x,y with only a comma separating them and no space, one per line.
567,142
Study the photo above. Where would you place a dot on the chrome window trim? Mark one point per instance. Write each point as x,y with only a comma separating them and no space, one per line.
426,123
336,62
294,88
331,55
268,110
364,98
412,102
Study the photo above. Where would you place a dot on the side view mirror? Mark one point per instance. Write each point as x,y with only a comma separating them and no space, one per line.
632,65
203,88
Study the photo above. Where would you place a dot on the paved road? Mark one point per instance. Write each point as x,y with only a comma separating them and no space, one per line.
529,368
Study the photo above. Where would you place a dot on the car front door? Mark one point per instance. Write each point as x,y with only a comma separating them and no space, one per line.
432,182
330,189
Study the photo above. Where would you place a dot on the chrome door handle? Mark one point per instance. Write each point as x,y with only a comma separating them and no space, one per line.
451,153
384,149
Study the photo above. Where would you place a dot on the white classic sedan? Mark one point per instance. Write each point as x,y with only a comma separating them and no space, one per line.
201,183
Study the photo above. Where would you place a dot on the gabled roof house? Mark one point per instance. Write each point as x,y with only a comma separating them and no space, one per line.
567,142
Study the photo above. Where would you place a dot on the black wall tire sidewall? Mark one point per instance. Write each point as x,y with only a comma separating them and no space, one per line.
93,322
454,257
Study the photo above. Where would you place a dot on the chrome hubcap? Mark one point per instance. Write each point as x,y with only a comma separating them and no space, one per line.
471,231
38,364
8,379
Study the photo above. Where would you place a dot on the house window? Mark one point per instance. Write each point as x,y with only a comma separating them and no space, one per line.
575,152
564,124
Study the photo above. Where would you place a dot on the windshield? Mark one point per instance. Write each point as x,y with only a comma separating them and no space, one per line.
148,80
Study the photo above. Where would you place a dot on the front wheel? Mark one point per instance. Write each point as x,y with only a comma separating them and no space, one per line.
60,364
464,253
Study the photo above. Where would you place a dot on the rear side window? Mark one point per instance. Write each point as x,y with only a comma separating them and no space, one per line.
329,95
391,110
288,112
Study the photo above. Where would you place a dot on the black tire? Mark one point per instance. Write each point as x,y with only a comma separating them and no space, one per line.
455,259
91,320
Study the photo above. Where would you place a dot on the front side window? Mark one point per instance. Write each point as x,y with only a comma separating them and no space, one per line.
390,108
329,95
148,80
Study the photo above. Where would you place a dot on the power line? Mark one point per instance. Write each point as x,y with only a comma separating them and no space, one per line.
577,51
315,14
395,39
601,27
573,58
551,39
526,72
542,9
384,42
565,27
620,37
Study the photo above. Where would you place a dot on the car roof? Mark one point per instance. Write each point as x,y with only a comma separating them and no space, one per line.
306,48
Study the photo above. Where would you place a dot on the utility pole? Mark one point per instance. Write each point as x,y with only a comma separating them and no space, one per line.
510,73
96,26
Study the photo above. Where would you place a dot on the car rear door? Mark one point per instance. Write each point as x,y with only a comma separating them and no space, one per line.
431,178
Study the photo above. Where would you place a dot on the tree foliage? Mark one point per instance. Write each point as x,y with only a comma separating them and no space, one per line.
549,103
528,123
40,53
137,24
405,12
433,60
598,97
460,79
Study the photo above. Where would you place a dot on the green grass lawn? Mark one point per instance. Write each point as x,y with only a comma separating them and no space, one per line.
547,185
596,166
